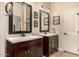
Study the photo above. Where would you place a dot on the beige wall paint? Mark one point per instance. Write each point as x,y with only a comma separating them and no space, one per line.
65,5
2,29
36,7
57,9
4,24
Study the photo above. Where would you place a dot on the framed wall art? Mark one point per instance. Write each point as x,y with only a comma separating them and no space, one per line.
35,15
35,23
56,20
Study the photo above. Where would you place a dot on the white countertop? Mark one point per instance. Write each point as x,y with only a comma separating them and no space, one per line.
21,39
47,34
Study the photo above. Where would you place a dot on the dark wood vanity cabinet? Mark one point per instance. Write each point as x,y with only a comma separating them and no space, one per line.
50,45
33,48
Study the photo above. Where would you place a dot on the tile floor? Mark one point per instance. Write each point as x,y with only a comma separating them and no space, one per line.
63,54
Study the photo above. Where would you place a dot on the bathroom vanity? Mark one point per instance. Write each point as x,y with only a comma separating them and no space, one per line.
30,46
50,44
50,41
20,22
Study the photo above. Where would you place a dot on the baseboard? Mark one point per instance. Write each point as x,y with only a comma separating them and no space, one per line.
2,55
60,49
72,53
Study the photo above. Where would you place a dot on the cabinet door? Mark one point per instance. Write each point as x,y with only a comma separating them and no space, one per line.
34,51
9,52
50,45
53,42
56,42
39,52
31,52
21,53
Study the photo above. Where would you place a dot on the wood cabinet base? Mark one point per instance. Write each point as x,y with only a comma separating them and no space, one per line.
33,48
50,45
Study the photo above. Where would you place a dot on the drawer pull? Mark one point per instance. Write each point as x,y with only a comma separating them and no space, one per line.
25,52
28,51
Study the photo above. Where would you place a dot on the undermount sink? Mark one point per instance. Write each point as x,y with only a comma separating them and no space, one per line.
47,34
25,38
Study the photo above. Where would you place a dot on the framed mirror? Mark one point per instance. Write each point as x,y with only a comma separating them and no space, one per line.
20,21
44,21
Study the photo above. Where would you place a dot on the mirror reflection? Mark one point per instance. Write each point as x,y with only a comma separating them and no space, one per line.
44,21
21,17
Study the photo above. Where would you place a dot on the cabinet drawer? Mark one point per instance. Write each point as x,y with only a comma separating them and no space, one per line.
20,46
17,45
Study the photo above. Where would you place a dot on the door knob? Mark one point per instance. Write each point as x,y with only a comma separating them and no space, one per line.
65,33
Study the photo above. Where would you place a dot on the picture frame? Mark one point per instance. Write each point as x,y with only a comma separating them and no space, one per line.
35,15
45,21
56,20
35,23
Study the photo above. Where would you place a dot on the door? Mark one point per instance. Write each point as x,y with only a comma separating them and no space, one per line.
69,33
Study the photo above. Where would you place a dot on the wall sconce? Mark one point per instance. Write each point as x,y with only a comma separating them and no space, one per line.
77,12
45,8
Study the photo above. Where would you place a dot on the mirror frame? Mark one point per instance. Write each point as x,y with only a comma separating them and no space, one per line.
40,21
11,22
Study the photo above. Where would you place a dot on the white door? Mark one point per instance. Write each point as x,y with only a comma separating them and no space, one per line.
69,33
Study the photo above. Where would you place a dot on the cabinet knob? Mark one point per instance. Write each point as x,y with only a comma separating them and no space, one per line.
25,52
28,51
39,48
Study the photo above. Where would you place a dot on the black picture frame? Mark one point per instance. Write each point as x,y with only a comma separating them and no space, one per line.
35,15
11,22
35,23
56,20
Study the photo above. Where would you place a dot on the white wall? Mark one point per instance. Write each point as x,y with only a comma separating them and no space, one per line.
57,9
